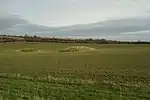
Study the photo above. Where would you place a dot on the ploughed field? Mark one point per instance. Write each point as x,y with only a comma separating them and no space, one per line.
55,71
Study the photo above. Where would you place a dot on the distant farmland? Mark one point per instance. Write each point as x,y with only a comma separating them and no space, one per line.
38,71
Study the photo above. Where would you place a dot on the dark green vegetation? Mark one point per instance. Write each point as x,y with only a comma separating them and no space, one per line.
27,50
111,72
26,38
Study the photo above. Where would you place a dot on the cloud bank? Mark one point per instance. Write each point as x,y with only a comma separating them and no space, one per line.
135,28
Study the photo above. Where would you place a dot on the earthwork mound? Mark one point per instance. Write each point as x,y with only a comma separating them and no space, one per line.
77,49
27,50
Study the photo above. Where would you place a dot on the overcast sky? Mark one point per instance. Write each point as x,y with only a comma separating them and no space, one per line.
111,19
69,12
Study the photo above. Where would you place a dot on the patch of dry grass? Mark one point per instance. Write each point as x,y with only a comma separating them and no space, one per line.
77,49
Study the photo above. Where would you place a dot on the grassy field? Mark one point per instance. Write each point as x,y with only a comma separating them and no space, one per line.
111,72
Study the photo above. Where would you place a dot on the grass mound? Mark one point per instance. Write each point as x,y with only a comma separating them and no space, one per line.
77,49
27,50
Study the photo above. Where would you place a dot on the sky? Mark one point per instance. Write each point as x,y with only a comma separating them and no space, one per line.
71,12
112,19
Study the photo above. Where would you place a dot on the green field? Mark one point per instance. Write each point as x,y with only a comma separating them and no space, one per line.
111,72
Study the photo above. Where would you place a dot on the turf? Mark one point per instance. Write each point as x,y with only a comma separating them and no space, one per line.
111,72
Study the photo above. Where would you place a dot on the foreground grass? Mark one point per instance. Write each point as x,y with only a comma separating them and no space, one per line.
15,86
112,72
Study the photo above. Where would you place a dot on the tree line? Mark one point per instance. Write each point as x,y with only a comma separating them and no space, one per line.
26,38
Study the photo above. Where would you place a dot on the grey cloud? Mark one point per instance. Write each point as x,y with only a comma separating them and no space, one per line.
30,28
9,21
111,27
15,24
125,29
